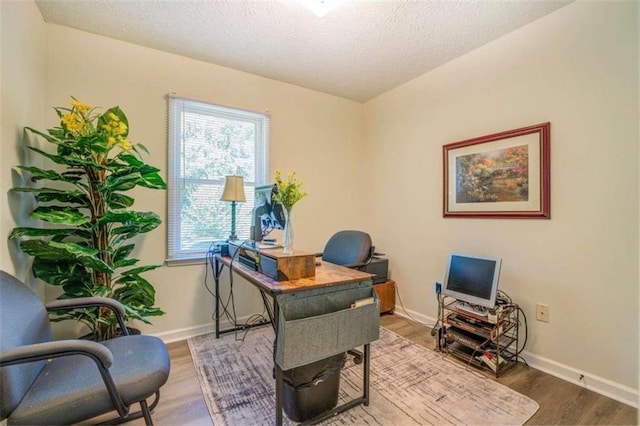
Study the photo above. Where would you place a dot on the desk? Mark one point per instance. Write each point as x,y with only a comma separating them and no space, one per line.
295,310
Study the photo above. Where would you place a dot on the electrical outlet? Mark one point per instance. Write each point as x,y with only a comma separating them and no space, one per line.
542,312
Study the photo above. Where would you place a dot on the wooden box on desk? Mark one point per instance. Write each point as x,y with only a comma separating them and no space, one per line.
282,267
274,264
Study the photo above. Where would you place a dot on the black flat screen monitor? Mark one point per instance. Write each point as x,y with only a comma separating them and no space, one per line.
267,213
472,279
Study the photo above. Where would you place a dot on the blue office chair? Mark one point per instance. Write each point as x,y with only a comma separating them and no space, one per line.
69,381
352,249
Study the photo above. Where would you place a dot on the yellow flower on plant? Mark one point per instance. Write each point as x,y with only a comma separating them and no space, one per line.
68,118
72,122
80,107
114,126
80,121
125,144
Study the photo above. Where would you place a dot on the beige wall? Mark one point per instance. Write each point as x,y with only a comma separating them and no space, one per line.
318,135
578,69
22,104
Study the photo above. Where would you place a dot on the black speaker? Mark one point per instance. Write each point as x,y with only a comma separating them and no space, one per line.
379,267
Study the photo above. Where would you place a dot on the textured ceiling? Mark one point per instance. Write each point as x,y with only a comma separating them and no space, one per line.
357,51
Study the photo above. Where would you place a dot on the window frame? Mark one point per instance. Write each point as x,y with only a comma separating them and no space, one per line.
177,106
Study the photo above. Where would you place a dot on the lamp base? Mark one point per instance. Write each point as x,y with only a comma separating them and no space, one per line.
233,236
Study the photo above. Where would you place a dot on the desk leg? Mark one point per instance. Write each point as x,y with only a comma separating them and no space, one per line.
217,268
267,308
367,356
279,390
279,385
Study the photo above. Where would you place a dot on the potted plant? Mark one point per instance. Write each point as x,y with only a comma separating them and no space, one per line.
85,246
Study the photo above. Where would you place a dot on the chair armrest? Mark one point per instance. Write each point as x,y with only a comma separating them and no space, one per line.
87,302
354,265
47,350
91,302
100,354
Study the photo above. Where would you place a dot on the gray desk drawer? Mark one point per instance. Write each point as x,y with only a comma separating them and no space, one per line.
315,326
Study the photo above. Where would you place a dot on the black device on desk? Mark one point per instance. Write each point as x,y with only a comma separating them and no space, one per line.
244,253
266,216
221,247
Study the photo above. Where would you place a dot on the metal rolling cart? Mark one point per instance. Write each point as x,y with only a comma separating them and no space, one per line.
488,343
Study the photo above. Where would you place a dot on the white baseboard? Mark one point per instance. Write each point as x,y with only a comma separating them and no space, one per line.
415,316
186,333
606,387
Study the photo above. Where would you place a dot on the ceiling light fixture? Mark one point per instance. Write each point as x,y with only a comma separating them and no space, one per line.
321,7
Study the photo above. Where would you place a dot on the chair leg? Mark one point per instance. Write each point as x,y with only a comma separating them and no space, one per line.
357,355
146,413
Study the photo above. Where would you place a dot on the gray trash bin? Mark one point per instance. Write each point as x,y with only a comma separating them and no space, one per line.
312,389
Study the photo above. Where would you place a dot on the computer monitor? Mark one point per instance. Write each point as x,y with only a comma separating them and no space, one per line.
267,214
472,279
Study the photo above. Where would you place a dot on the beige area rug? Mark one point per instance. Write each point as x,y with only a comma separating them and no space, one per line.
410,385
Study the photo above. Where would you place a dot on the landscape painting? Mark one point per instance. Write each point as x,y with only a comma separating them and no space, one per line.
502,175
493,176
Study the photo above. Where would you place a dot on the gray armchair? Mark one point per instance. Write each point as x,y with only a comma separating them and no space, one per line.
69,381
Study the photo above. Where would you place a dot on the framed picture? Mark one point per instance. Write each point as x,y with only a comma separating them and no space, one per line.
504,175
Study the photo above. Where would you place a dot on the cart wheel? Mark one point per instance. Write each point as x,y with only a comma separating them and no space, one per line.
357,359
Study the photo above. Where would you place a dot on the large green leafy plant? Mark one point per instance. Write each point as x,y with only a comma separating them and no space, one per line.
85,243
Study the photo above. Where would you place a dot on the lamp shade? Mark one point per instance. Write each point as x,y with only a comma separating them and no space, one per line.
233,189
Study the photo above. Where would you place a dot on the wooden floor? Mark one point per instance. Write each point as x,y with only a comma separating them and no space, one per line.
561,403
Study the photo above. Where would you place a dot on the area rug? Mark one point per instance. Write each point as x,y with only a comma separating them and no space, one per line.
410,385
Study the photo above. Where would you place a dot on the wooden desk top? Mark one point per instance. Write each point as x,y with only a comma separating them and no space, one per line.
327,274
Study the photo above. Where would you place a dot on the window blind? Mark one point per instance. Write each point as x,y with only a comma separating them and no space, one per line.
206,143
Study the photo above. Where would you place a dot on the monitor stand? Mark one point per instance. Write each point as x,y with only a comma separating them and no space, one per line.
474,309
266,244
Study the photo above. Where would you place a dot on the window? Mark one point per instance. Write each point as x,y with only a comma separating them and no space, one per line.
206,143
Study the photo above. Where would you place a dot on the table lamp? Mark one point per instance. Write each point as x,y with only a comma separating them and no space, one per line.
234,192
